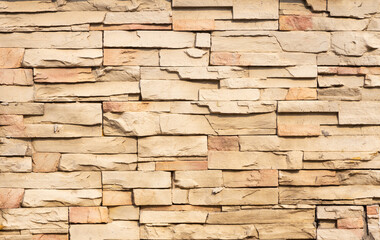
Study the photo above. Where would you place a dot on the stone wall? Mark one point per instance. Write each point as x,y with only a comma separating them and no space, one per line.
189,119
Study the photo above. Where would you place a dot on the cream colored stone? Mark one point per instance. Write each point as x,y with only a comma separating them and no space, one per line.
180,196
50,219
87,145
88,214
116,198
56,198
136,179
59,75
113,230
355,43
202,40
198,179
267,83
256,9
358,9
320,23
202,3
152,197
155,17
131,124
196,231
326,59
188,108
14,147
125,73
149,39
173,217
307,106
90,162
340,94
187,57
69,40
358,113
317,5
254,160
184,124
231,25
124,213
239,107
301,71
172,90
62,57
172,146
243,124
16,94
337,212
119,107
255,178
259,43
337,81
46,162
117,5
15,164
271,94
22,108
301,230
233,196
114,57
77,180
16,77
229,94
336,234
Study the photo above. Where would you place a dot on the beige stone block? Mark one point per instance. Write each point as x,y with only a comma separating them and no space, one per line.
77,180
355,43
15,164
172,90
116,198
69,40
148,39
317,5
267,83
16,94
172,217
197,231
299,230
254,160
254,178
231,25
358,9
358,113
243,124
61,75
50,219
62,57
11,197
113,230
233,196
11,57
117,74
188,107
14,147
340,94
124,213
46,162
300,71
16,77
223,143
153,197
202,3
203,40
181,166
229,94
307,106
155,17
94,162
180,196
271,94
198,179
309,178
184,57
22,108
131,124
260,43
296,130
87,145
301,94
338,81
136,179
257,9
335,234
184,124
130,57
119,107
239,107
57,198
88,215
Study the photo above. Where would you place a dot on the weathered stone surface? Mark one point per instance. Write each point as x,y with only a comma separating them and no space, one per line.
148,39
133,179
16,94
301,94
267,83
124,213
115,57
181,166
359,113
339,94
229,94
59,75
152,197
354,43
156,17
223,143
254,178
335,234
300,71
359,9
87,145
70,40
62,57
185,124
297,130
11,197
233,196
116,198
198,179
254,160
14,147
307,106
46,162
11,57
338,81
119,107
16,77
56,198
172,146
188,57
53,219
77,180
15,164
22,108
196,231
91,162
115,229
257,9
88,215
173,217
172,90
239,107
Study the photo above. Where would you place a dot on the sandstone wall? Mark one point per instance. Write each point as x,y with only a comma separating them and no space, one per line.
189,119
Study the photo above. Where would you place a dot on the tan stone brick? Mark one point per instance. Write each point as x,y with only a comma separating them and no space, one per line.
223,143
301,94
297,130
22,108
15,164
88,215
181,166
16,77
11,57
124,213
130,57
136,179
256,9
254,178
152,197
59,75
198,179
155,17
95,162
172,216
45,162
116,198
115,229
184,57
11,197
118,107
350,223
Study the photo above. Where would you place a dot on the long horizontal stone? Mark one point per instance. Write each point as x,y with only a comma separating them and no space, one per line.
16,93
133,179
130,57
155,17
15,164
119,107
22,109
239,107
198,179
254,178
50,219
300,71
237,83
255,9
157,146
92,162
229,94
359,113
124,213
69,113
52,39
308,106
184,57
254,160
185,124
359,9
233,196
88,215
148,39
63,75
173,217
113,230
22,77
322,143
87,145
143,197
62,57
77,180
56,198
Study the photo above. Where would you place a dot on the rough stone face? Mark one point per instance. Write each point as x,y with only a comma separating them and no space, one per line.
115,229
45,162
11,197
16,77
88,215
11,57
152,197
133,179
254,178
116,198
130,57
94,162
198,179
173,217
